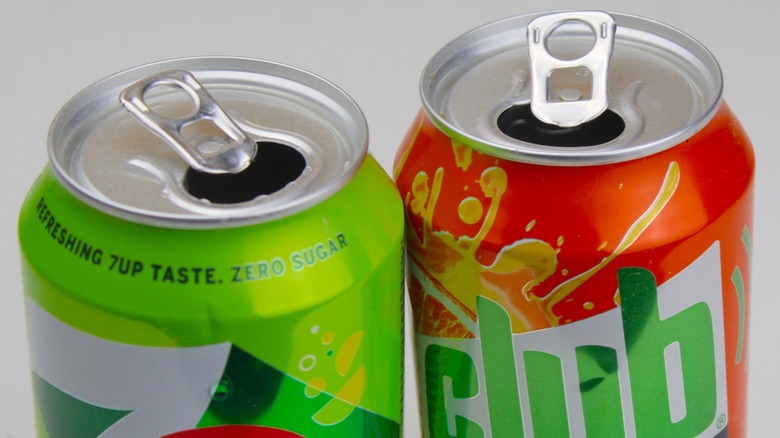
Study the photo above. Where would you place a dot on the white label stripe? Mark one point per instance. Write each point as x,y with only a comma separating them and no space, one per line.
675,384
145,380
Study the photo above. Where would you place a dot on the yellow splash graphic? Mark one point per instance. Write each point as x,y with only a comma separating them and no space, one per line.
407,149
470,210
563,290
347,352
424,197
340,407
452,262
462,155
348,396
314,387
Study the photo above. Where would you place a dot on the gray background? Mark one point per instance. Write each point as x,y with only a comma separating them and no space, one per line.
49,50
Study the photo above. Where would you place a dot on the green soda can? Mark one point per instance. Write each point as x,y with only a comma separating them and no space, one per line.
212,252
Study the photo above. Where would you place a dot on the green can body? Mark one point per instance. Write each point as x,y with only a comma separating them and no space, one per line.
306,310
284,328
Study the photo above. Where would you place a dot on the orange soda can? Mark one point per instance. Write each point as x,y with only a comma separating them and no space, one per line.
579,203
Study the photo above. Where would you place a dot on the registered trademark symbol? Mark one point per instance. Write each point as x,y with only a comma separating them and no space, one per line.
721,421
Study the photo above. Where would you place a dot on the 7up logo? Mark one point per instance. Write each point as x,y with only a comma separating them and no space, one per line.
653,367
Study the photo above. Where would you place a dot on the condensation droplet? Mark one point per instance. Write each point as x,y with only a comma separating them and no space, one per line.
221,390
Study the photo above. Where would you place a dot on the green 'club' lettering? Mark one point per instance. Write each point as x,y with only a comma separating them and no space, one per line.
658,376
546,394
600,390
456,367
647,339
501,376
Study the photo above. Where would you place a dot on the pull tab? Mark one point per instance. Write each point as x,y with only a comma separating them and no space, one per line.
569,111
213,154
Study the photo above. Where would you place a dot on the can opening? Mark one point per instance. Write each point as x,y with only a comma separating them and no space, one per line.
276,166
519,123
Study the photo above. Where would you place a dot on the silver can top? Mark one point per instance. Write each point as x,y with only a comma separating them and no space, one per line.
178,156
572,88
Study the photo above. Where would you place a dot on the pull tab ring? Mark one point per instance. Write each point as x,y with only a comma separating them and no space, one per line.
568,113
229,154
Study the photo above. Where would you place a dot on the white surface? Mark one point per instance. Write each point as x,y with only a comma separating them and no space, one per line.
50,50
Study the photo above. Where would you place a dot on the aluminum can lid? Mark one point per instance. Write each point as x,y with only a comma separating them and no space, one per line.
104,156
663,86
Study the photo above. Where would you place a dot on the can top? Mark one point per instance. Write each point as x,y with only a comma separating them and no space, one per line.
663,86
311,139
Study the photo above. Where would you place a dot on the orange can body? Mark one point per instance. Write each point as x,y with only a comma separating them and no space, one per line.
602,299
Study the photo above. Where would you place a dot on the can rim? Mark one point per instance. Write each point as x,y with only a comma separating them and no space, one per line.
438,69
66,125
